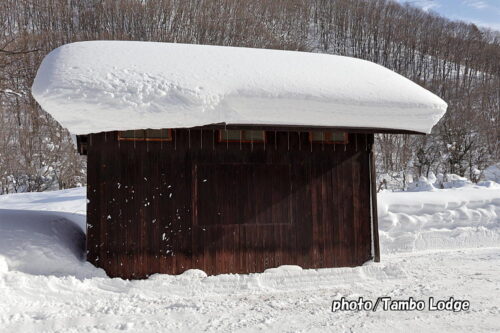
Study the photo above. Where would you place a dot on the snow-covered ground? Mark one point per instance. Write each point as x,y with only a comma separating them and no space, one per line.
438,243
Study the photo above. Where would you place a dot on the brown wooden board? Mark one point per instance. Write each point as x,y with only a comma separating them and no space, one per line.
227,207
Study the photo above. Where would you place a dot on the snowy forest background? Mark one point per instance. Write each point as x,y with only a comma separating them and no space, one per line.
457,61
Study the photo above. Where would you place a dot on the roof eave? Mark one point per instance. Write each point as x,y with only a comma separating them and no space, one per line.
273,127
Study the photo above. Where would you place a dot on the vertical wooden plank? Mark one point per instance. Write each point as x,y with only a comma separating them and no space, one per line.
315,207
139,223
340,200
347,185
365,208
356,207
106,244
304,235
128,207
242,268
111,167
230,249
374,217
154,223
198,231
334,197
278,250
235,255
326,218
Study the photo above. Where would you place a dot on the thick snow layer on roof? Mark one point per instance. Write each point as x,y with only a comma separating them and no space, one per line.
99,86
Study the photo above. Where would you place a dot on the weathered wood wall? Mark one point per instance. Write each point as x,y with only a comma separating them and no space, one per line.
227,207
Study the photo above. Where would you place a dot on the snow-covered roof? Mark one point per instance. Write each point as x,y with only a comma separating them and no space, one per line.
100,86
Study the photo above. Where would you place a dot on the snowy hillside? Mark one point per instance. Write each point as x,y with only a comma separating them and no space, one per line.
438,243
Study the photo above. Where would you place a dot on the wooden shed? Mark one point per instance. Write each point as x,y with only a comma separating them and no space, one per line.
270,174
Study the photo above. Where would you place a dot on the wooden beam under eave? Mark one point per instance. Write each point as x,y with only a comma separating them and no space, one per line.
303,128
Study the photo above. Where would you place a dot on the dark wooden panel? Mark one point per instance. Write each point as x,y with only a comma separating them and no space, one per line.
288,201
242,194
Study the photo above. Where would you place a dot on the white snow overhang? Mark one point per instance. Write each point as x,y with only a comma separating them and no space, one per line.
98,86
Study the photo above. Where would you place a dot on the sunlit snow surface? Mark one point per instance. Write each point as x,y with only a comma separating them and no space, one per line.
442,243
99,86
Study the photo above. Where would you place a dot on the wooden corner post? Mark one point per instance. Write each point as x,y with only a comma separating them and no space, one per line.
373,203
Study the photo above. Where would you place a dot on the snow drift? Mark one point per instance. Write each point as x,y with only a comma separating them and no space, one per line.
465,216
44,234
99,86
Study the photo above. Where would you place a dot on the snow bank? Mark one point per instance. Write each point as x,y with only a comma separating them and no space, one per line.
70,204
44,234
448,181
463,217
99,86
43,243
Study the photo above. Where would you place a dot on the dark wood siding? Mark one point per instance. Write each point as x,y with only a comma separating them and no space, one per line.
164,207
253,193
